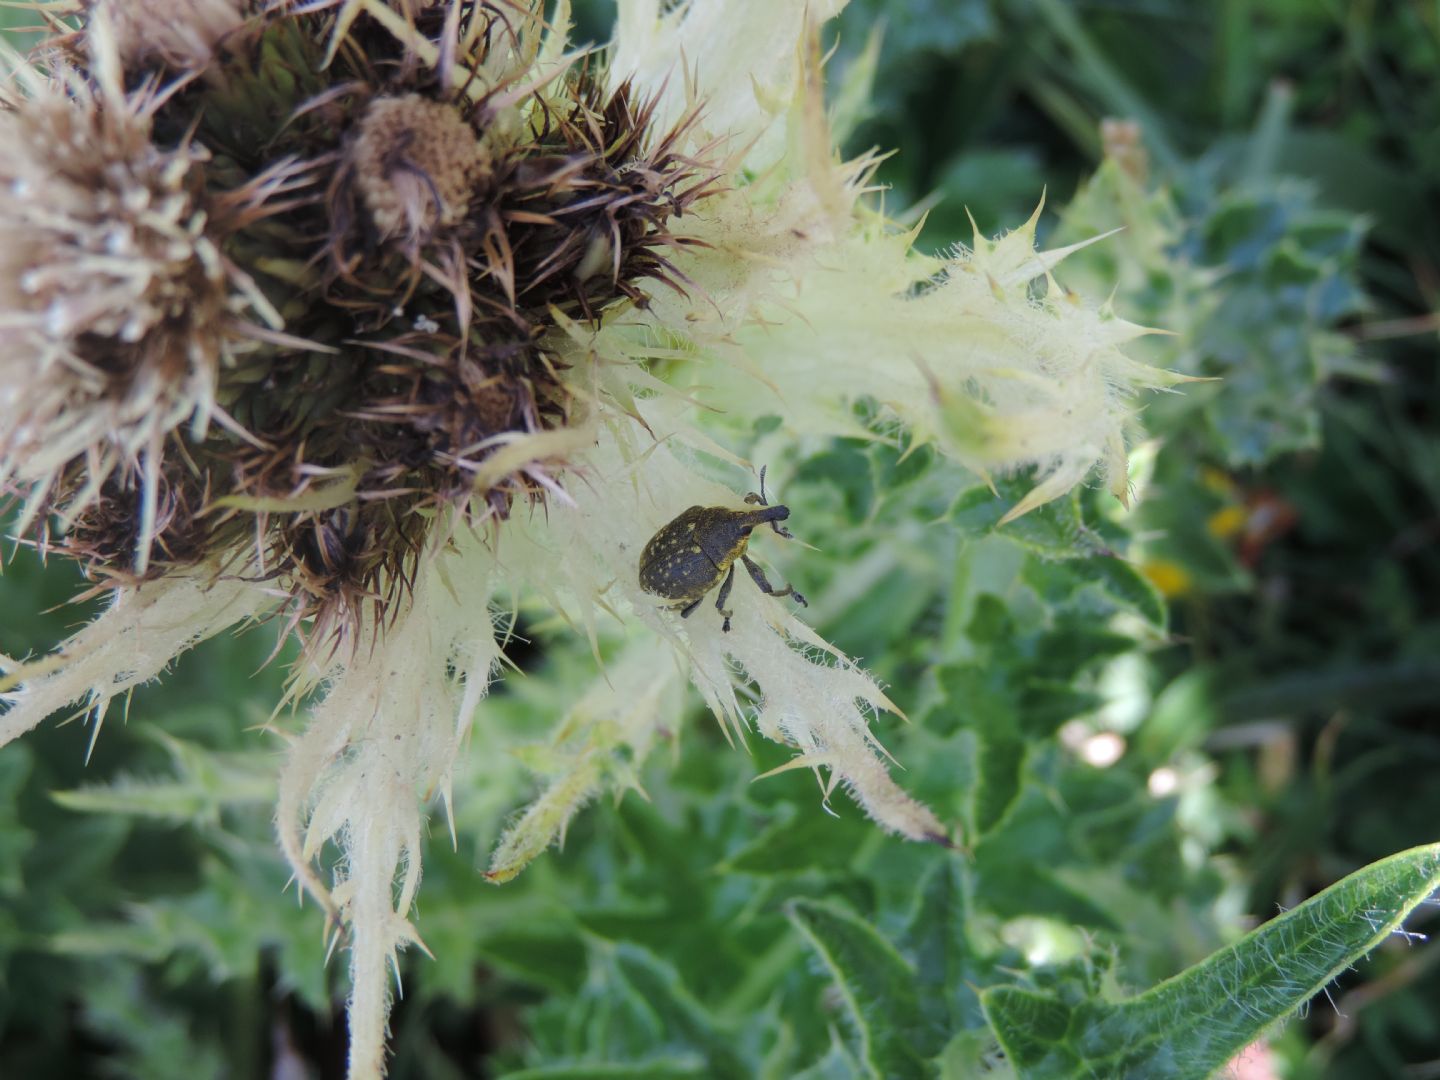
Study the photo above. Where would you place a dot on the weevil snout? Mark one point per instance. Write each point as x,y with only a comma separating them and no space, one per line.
771,515
768,516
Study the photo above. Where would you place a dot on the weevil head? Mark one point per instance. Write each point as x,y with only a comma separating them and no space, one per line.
728,531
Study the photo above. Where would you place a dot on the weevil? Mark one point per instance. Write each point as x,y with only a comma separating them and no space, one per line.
689,557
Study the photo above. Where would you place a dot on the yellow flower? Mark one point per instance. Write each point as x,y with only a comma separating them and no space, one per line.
1226,522
1169,577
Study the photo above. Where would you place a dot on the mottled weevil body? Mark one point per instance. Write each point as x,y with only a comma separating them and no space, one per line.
691,555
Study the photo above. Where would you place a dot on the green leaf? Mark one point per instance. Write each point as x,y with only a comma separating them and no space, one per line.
1019,888
892,1037
681,1017
543,954
970,1054
204,783
992,624
980,694
938,937
1000,763
1045,704
845,470
659,1069
1055,529
837,1064
1194,1023
152,1039
15,840
633,1010
1074,644
1125,584
796,842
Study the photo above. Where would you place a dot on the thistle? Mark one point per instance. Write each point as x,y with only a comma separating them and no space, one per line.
369,315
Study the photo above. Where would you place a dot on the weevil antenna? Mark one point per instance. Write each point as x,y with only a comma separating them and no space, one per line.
759,500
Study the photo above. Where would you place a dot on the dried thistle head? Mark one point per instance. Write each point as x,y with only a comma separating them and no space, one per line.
181,35
118,303
417,165
410,223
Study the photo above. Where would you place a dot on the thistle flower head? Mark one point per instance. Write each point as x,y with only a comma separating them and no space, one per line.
374,315
118,304
404,215
179,35
416,163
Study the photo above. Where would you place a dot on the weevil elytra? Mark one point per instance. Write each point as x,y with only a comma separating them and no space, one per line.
689,557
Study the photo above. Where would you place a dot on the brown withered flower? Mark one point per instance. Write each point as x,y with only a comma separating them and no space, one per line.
413,231
118,303
417,165
181,35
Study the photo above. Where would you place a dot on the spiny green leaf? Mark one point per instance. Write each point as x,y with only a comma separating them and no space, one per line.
141,798
682,1018
1020,888
1045,704
204,782
609,1021
539,953
981,695
992,622
1055,529
1192,1024
634,1009
892,1037
154,1040
972,1054
1123,582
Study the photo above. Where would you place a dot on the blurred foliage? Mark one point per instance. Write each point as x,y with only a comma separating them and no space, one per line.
1134,786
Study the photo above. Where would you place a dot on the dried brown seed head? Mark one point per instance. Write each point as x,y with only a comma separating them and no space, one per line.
417,164
113,293
407,251
178,34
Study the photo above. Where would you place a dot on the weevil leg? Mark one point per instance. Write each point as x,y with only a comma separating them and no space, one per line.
688,608
725,595
758,576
